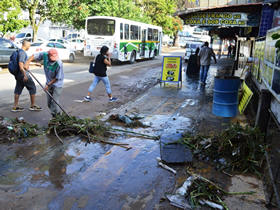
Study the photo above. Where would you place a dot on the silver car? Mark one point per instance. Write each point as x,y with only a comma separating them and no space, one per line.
6,50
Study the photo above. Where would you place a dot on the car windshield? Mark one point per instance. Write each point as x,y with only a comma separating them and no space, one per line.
36,44
105,27
21,35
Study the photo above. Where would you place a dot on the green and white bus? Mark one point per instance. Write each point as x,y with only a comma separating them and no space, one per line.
127,40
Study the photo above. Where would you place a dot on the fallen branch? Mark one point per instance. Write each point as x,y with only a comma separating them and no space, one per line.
57,135
138,134
123,145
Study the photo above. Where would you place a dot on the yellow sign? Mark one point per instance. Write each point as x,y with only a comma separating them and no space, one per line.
217,19
171,68
245,99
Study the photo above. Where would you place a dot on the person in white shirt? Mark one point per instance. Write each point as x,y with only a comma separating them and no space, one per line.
205,55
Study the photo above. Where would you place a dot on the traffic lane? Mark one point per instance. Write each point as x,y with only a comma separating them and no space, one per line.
126,87
73,74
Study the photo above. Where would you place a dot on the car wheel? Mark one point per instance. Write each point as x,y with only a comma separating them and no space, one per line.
132,57
71,58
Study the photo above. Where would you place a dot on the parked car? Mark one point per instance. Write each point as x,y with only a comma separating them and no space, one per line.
62,41
41,40
64,53
7,48
77,44
191,48
21,36
73,36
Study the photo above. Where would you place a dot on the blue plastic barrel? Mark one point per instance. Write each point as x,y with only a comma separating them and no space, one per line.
225,99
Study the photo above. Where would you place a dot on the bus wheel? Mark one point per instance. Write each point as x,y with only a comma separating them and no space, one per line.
132,57
154,55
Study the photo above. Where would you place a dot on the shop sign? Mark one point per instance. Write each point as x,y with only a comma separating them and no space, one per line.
245,98
171,69
217,19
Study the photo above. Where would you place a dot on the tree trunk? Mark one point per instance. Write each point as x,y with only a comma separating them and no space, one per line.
176,40
35,31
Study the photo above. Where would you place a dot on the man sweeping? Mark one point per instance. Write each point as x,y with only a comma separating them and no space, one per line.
53,68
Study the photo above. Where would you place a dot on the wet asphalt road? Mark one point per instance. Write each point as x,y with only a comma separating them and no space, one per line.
43,174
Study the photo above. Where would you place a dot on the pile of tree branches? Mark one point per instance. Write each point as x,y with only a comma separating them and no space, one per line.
236,148
92,130
13,130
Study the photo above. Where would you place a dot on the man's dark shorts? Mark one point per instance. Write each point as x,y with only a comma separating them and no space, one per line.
29,84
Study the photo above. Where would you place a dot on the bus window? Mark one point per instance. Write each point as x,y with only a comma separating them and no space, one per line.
121,31
150,34
101,27
139,33
126,31
155,34
134,32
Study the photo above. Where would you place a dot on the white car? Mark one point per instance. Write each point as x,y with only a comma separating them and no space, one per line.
77,44
21,36
64,53
191,48
62,41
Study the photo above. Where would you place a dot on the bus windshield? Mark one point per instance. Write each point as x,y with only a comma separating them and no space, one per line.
104,27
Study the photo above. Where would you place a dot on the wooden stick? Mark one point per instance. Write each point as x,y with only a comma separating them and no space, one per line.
57,135
140,134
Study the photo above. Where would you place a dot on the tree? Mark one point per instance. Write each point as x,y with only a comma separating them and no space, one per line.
119,8
58,11
9,12
177,26
161,13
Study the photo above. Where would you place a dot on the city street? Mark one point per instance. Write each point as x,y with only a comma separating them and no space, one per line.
128,81
42,173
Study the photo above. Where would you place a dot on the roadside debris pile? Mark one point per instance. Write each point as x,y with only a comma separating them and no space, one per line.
13,130
236,149
198,191
131,121
91,129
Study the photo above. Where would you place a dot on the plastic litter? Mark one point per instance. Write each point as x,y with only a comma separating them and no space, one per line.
211,204
160,163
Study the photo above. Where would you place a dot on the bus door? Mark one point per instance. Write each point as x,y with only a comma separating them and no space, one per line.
144,35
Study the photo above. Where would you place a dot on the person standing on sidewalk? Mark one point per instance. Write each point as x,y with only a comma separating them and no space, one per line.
101,62
23,79
205,55
53,68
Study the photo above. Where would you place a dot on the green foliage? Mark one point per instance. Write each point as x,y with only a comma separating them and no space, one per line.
11,130
276,36
161,13
119,8
9,12
236,148
58,11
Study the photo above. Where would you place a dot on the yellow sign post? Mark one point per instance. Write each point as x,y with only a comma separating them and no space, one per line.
172,69
246,97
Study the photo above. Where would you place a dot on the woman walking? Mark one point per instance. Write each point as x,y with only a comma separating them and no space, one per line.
101,62
193,65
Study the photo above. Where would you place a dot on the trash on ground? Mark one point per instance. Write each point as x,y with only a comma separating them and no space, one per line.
237,148
129,121
197,191
160,163
92,129
12,130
